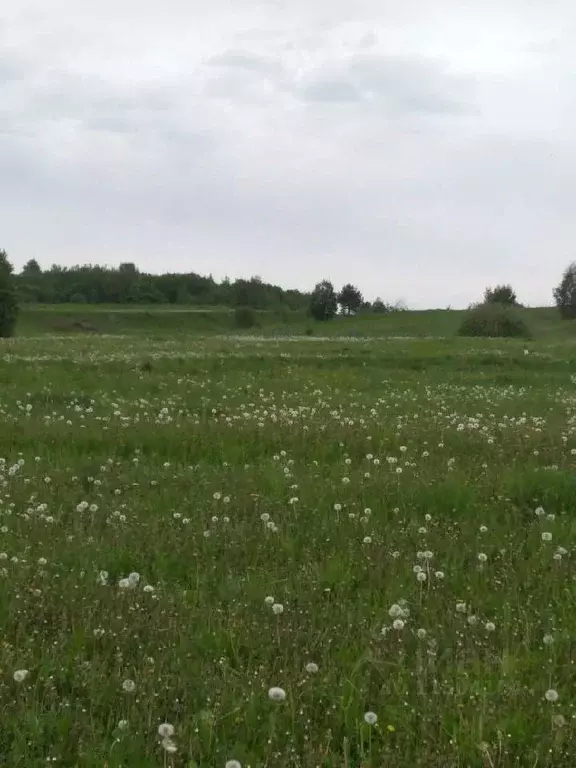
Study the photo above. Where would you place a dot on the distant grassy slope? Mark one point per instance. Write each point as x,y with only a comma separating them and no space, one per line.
544,323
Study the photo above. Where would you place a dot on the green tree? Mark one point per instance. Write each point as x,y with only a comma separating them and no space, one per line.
350,299
501,294
378,307
323,301
8,298
565,293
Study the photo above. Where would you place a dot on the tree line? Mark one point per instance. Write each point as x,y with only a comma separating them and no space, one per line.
126,284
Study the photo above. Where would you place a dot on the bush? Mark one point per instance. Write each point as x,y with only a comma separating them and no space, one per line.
244,317
493,321
77,298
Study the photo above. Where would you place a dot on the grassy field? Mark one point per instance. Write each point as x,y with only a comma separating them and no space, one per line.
160,321
383,529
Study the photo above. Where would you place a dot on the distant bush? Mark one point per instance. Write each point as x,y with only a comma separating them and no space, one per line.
493,321
78,298
244,317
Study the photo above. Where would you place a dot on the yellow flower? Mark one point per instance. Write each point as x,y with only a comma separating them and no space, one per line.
391,728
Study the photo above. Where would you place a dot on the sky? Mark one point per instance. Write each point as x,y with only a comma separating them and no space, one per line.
421,150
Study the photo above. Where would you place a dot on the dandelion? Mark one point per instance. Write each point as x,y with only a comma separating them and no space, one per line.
483,529
371,718
278,608
548,640
421,634
169,746
165,730
128,686
421,576
99,632
123,725
269,600
559,721
439,575
482,557
398,624
367,540
233,764
461,607
276,694
551,695
490,626
546,536
311,668
20,675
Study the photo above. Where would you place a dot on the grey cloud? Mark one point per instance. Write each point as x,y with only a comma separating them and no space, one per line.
397,84
247,61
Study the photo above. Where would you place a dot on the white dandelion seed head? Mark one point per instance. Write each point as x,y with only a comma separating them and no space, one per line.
482,557
490,626
421,576
166,730
546,536
233,764
128,686
371,718
276,694
122,725
398,624
278,608
20,675
269,600
421,634
551,695
311,668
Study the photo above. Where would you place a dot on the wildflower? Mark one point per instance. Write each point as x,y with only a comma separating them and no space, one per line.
483,529
278,608
99,632
233,764
42,561
371,718
367,540
169,746
269,600
128,686
311,668
148,588
123,725
134,579
559,721
439,575
546,536
277,694
490,626
482,557
472,620
398,624
421,633
551,695
461,607
20,675
421,576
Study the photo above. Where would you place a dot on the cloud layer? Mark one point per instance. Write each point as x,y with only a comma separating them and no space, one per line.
421,155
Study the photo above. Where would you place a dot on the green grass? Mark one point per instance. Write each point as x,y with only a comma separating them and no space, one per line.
543,323
224,471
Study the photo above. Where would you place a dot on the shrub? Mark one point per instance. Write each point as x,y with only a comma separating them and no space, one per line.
244,317
493,321
77,298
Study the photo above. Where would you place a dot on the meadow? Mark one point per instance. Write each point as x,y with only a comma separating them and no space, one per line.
287,552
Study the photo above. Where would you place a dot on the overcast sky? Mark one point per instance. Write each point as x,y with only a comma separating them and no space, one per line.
419,149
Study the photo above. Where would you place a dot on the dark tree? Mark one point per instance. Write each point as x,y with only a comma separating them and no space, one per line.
379,308
323,301
565,293
501,294
350,299
8,298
